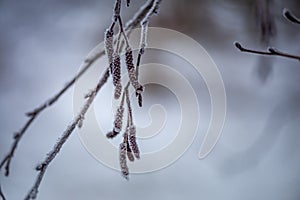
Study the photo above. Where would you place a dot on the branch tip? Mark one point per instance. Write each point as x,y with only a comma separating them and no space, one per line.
290,16
238,45
271,51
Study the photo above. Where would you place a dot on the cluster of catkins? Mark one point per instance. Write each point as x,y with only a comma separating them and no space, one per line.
128,147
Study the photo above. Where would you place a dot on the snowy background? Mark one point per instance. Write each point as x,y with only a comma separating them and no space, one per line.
42,44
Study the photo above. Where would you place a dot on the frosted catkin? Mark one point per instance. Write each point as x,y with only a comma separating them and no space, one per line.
117,75
129,151
118,119
132,141
123,163
109,49
131,71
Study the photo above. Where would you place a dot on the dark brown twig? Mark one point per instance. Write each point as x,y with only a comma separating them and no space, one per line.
290,16
271,52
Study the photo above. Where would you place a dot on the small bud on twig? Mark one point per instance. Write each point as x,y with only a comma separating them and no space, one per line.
290,16
112,134
140,100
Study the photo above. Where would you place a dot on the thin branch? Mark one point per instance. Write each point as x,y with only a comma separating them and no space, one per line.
290,16
140,15
271,52
33,114
51,155
144,23
1,194
133,23
122,31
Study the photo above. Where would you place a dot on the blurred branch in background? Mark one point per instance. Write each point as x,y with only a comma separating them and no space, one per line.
271,52
265,22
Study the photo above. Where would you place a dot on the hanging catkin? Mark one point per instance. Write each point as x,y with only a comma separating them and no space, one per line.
131,71
123,163
117,123
118,119
129,152
109,49
132,141
117,75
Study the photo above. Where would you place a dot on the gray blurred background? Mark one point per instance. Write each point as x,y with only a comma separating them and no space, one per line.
42,44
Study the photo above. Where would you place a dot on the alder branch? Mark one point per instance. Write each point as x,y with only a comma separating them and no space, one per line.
51,155
290,16
33,114
133,23
270,52
76,122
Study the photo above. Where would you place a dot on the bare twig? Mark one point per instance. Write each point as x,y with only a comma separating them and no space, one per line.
271,52
33,114
1,194
51,155
140,15
143,43
290,16
133,23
